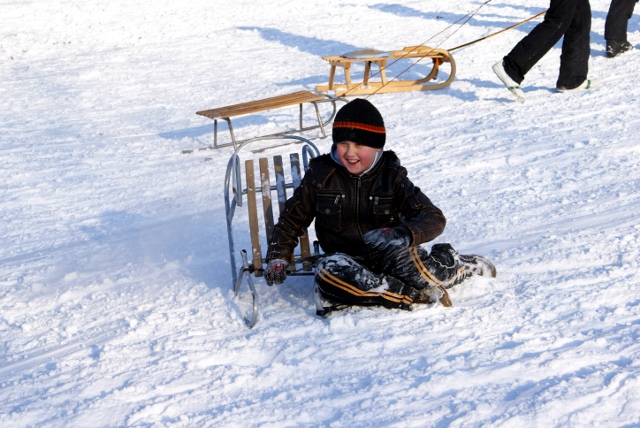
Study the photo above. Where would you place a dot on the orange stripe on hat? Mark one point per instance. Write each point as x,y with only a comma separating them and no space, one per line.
361,126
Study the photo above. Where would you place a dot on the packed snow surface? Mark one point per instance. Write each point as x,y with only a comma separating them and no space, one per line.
116,301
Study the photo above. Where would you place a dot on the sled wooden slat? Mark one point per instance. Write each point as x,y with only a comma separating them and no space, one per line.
267,203
296,98
281,185
262,105
252,207
296,178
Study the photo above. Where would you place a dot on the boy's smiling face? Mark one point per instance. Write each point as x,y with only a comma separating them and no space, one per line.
356,157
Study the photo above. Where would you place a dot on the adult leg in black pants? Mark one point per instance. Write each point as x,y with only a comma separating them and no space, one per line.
574,60
615,27
570,19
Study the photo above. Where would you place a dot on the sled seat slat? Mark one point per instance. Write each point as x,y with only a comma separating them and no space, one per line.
300,97
252,208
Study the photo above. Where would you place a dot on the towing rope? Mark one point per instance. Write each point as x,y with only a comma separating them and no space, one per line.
498,32
466,18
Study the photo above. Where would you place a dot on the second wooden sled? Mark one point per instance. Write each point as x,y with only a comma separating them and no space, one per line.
383,83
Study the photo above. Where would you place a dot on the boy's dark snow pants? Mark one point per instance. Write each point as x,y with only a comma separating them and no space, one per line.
392,279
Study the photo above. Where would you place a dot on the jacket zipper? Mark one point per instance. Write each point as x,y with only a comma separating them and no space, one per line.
358,206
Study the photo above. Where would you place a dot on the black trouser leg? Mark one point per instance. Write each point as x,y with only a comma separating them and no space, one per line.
395,280
342,279
574,61
541,39
615,27
420,269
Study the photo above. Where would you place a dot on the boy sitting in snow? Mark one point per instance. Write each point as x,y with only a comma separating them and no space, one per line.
370,220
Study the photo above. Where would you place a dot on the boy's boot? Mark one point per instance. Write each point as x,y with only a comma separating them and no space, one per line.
430,295
477,265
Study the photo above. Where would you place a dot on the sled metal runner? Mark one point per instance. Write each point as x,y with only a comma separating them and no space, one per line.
243,191
384,83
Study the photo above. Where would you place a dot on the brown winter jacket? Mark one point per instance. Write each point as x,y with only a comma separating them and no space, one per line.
346,206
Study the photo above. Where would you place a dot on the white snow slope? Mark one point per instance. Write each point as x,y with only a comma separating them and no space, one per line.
116,305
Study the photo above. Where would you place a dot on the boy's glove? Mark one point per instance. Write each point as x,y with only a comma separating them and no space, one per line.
276,271
388,239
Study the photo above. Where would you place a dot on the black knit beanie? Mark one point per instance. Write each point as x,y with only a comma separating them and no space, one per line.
359,121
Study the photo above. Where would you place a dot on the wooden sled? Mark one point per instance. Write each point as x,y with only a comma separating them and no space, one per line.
383,83
297,98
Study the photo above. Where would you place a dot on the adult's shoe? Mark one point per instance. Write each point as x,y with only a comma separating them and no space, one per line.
511,84
616,48
587,84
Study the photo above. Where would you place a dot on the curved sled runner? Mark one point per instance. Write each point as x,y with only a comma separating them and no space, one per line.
386,84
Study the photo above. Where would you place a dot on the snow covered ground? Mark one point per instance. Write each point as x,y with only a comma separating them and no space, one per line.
116,306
